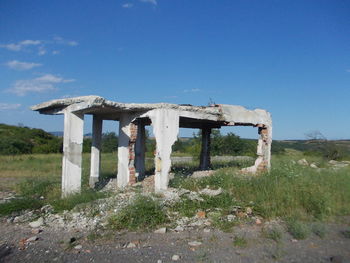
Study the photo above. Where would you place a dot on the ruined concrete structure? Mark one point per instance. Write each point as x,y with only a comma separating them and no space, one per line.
166,119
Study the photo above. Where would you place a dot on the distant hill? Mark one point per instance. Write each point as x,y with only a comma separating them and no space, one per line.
24,140
60,134
57,133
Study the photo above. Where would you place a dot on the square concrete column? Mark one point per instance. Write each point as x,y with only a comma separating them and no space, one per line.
140,148
95,165
205,151
72,152
165,124
126,145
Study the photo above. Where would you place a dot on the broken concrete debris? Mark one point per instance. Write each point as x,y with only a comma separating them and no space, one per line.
166,119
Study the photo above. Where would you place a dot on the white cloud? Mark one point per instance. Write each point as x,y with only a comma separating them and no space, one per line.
72,43
30,42
61,41
7,106
53,79
55,52
153,2
44,45
12,47
127,5
191,90
41,84
17,65
19,46
42,51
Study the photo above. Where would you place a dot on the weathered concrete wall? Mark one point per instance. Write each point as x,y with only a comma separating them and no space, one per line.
165,124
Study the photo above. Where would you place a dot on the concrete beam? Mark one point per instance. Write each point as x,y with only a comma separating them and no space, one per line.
95,165
205,151
72,152
165,123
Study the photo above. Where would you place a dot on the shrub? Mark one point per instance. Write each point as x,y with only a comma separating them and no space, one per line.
297,229
240,241
17,205
143,213
274,233
71,201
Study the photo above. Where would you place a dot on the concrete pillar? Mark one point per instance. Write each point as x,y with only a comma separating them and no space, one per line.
165,124
140,148
126,155
264,149
72,152
95,165
205,151
263,162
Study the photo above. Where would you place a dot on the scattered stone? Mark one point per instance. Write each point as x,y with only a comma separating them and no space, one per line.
131,245
179,229
46,209
210,192
249,211
26,217
313,165
175,257
37,223
36,231
159,261
258,221
231,218
206,230
78,247
200,214
161,230
294,240
194,243
32,239
303,162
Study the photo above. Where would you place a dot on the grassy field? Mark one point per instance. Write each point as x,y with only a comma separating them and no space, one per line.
289,191
47,166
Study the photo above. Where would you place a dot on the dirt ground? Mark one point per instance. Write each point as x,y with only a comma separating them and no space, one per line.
215,246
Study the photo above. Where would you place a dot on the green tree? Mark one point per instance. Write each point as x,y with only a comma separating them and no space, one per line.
109,142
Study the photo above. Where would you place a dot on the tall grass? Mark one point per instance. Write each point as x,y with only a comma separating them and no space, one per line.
36,179
289,190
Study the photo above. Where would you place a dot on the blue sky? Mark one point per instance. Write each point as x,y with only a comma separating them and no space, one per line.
289,57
